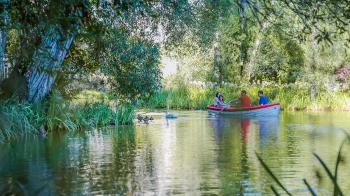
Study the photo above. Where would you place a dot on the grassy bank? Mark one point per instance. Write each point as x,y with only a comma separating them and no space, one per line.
92,109
195,97
59,115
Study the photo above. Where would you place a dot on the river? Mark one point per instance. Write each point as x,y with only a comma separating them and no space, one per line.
196,154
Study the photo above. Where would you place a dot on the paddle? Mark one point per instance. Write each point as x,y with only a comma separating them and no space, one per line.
227,105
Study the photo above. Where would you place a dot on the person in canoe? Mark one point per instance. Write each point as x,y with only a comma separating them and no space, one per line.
216,99
219,100
244,100
263,100
222,102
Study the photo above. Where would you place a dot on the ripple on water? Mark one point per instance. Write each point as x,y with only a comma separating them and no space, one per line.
196,154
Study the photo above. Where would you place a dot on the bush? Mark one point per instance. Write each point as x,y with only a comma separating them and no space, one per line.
291,98
58,115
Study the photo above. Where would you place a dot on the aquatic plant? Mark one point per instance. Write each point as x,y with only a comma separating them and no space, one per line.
56,114
291,98
17,119
124,114
332,176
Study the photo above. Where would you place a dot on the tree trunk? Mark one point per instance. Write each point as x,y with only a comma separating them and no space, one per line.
218,77
313,68
3,36
47,60
255,50
242,58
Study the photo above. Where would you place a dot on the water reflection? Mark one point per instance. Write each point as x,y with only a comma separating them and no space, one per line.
236,140
196,154
268,129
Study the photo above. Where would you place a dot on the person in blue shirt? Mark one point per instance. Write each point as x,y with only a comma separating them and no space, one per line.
263,99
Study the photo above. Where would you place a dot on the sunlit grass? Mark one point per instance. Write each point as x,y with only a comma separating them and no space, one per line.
90,96
291,99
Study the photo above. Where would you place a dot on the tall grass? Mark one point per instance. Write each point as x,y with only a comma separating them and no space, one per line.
124,114
57,114
183,97
17,119
97,114
196,97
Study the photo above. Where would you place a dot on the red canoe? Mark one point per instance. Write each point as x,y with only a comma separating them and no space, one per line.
272,109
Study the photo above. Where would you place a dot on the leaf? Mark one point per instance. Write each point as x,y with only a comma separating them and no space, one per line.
309,187
271,174
337,166
274,191
329,173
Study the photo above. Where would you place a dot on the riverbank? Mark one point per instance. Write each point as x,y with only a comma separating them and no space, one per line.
92,109
291,99
57,114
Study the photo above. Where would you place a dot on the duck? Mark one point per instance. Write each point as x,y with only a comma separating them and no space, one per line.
146,120
42,132
112,122
139,117
170,115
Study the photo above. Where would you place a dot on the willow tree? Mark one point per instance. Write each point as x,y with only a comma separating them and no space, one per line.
46,30
57,39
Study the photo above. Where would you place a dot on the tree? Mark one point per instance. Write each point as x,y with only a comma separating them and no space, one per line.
330,19
47,30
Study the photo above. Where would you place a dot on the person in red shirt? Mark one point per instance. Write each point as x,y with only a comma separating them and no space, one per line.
244,99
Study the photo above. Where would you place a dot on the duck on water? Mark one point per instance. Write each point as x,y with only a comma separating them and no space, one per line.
169,115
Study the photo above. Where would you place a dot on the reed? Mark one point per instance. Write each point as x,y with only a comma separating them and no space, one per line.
57,114
17,119
332,176
291,98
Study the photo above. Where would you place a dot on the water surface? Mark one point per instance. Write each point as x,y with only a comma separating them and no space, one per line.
196,154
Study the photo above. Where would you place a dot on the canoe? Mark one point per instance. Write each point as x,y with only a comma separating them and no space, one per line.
272,109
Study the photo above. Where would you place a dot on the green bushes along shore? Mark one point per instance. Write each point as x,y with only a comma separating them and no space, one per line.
291,98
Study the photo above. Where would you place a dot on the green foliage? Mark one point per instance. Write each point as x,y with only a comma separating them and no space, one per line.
121,38
272,43
230,39
278,60
180,97
56,114
291,98
124,114
17,119
132,66
97,114
328,18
